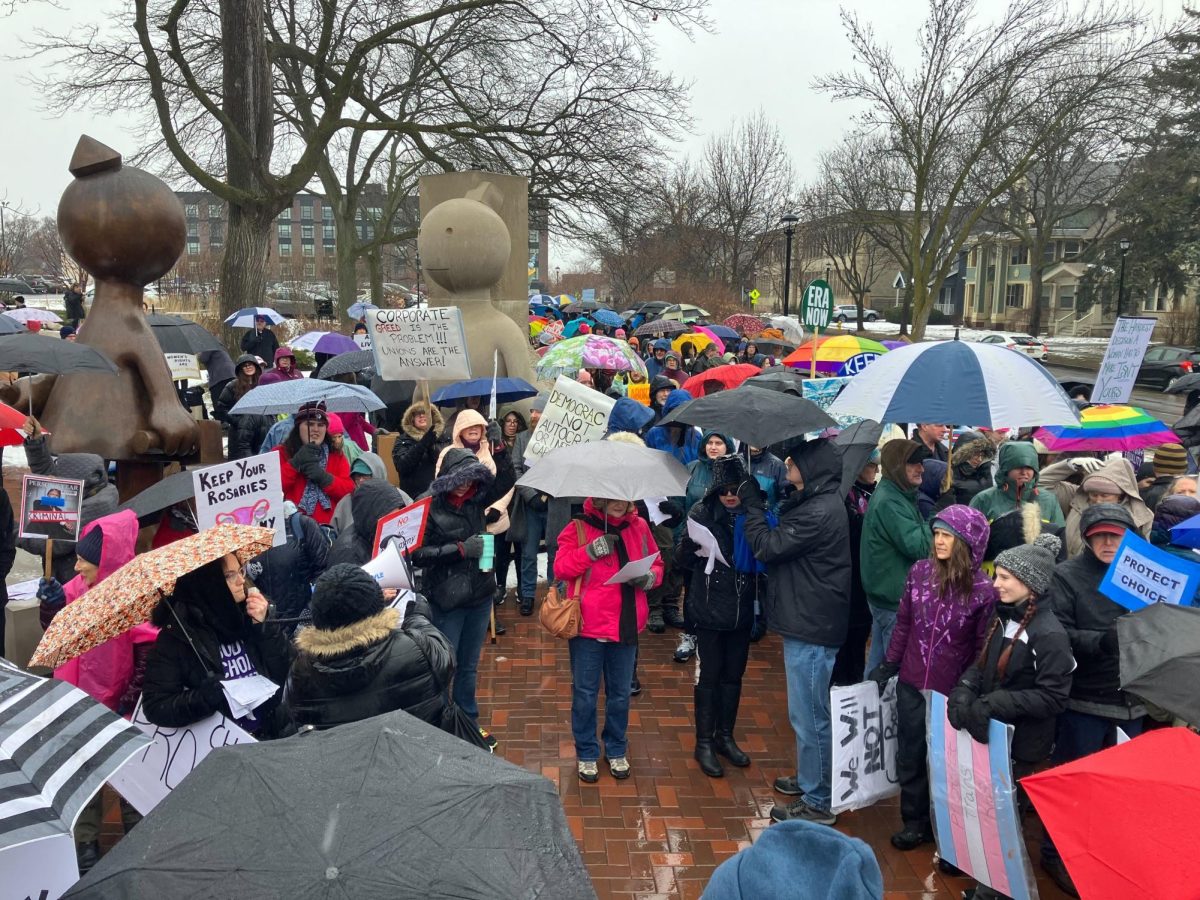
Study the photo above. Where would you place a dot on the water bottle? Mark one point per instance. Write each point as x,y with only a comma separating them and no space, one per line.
488,559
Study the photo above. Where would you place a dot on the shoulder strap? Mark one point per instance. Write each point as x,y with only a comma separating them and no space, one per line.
579,537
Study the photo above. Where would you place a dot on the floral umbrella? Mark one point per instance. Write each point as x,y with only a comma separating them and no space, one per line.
128,596
589,351
745,323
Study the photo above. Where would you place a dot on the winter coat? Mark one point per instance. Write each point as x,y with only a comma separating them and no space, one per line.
371,667
1036,683
99,498
724,599
936,637
600,603
856,498
808,553
970,480
1156,490
263,344
1021,526
416,453
343,513
219,366
246,432
700,470
73,308
8,551
1120,473
895,535
357,428
277,374
1006,495
681,441
371,501
929,492
285,573
293,482
771,475
499,463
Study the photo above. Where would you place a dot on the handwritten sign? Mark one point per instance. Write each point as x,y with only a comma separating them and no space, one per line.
50,508
362,339
865,728
574,414
243,492
183,366
823,391
1141,574
1122,359
419,343
175,752
44,869
407,523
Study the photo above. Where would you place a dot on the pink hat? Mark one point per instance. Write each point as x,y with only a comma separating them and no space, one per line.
585,328
335,424
620,332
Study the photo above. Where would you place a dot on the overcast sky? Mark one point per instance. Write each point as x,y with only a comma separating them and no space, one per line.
761,53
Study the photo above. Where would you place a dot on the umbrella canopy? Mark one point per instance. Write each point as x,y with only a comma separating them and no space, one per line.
1187,533
789,327
607,317
746,324
163,495
12,423
8,326
542,300
663,327
610,469
727,377
959,383
386,807
38,353
697,339
345,363
781,378
856,443
563,299
709,333
30,314
508,390
1183,384
587,305
288,396
324,342
589,351
1107,427
57,748
773,345
724,332
175,334
360,309
1125,819
759,418
842,354
1160,657
895,345
244,318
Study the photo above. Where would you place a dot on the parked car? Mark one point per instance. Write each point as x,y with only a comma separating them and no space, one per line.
1024,343
292,302
848,312
1162,365
16,286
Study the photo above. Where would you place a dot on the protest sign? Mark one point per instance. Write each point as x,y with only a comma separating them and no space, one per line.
44,869
50,508
1141,574
1122,359
975,815
363,340
419,343
152,774
243,492
574,414
638,392
823,391
183,366
865,727
407,523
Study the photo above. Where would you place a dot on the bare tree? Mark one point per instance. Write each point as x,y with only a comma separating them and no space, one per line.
17,230
47,246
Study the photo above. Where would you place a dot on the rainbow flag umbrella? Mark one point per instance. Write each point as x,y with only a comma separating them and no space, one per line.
1107,427
843,354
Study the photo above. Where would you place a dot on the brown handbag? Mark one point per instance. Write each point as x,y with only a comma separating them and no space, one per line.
561,616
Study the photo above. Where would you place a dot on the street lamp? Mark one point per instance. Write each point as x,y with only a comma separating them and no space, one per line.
1124,244
788,221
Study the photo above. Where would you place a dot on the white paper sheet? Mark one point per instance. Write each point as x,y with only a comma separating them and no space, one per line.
634,569
707,542
656,515
245,695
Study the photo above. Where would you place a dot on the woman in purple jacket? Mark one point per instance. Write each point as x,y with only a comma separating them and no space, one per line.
940,628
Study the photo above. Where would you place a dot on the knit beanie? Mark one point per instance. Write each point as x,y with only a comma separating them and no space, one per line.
66,331
90,546
1170,459
343,595
1032,564
1101,485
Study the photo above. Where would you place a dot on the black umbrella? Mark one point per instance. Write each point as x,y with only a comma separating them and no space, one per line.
347,363
775,345
857,443
1160,657
1184,383
383,808
779,378
176,334
38,353
757,417
171,490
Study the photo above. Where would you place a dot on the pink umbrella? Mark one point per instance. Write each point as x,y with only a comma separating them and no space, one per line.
711,334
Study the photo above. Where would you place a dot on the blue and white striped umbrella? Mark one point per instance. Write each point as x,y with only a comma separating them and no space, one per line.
288,396
360,309
957,383
244,318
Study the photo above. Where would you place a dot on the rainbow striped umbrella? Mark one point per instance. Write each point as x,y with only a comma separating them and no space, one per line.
1107,427
843,354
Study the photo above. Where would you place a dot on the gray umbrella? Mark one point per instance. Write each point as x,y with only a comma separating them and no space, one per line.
38,353
779,378
9,325
1160,657
171,490
176,334
347,363
609,469
1184,383
759,418
288,396
856,444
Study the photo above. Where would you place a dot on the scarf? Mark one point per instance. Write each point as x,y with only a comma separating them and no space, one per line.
313,496
627,632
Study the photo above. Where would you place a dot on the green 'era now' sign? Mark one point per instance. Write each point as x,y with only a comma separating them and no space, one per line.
817,305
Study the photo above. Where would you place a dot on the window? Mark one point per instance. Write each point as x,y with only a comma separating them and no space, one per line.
285,248
1066,301
193,247
285,215
1155,353
310,269
285,231
306,249
1050,254
1071,249
330,233
327,213
192,210
992,339
973,258
375,213
193,229
970,296
1014,296
306,232
216,235
1019,255
306,209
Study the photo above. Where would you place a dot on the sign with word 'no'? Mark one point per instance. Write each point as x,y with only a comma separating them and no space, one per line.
419,343
1122,359
865,724
1141,574
574,414
243,492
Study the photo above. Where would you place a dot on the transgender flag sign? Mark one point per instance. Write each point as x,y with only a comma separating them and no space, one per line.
974,810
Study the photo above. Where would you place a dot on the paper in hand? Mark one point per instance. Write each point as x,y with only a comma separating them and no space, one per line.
656,515
247,694
706,541
634,569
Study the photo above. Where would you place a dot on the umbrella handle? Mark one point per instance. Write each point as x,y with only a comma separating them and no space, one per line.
47,563
191,643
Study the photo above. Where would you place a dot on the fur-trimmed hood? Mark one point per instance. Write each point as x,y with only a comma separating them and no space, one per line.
324,644
971,446
460,466
438,422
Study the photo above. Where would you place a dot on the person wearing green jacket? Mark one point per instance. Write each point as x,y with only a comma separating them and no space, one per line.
1017,483
894,536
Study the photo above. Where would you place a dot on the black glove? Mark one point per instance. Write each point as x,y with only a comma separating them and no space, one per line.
883,673
52,598
491,516
646,582
212,692
1109,645
673,512
494,434
601,546
472,547
978,716
956,713
750,492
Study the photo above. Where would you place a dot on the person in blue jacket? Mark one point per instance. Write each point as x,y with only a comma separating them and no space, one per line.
681,441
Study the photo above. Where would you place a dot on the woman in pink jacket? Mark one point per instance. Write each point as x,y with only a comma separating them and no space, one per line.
591,549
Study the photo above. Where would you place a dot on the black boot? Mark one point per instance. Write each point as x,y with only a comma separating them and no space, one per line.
672,616
730,696
705,702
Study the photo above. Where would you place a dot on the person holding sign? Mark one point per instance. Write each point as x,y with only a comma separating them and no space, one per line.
314,477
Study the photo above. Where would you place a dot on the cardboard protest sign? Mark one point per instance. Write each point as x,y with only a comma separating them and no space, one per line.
183,366
638,392
363,340
865,728
823,391
243,492
1141,574
574,414
44,869
407,523
975,814
419,343
152,774
1122,359
50,508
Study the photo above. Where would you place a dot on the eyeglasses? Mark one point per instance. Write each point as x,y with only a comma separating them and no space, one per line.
727,491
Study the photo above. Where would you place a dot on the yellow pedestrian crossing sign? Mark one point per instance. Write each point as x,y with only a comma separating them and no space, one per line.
754,295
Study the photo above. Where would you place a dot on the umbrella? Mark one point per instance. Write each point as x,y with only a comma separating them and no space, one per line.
381,808
585,305
542,300
1187,534
175,334
842,354
775,345
1183,384
895,345
162,495
1160,657
709,333
589,351
244,318
663,327
856,443
57,748
745,323
724,332
788,326
8,326
727,377
355,360
780,379
508,390
25,316
1107,427
288,396
360,309
698,341
1124,819
759,418
607,317
563,299
12,423
959,383
39,353
610,469
324,342
128,596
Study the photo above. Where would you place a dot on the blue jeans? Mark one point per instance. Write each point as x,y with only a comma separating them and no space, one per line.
808,668
591,659
465,629
883,623
535,530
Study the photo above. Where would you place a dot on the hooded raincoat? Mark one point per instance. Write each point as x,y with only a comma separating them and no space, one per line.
499,464
371,501
895,534
701,470
416,453
681,441
277,374
1007,495
1121,474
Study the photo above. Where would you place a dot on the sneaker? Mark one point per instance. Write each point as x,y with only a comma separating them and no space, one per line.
686,649
655,624
500,629
636,687
798,809
787,784
1059,875
910,838
619,768
489,738
589,773
526,608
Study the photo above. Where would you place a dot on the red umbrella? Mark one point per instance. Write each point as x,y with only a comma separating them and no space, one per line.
1127,820
745,323
725,376
11,423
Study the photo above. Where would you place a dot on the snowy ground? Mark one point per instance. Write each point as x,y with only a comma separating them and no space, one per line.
1058,348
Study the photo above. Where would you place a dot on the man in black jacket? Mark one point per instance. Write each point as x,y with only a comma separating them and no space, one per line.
808,604
261,341
73,310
